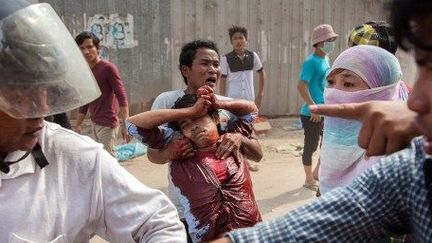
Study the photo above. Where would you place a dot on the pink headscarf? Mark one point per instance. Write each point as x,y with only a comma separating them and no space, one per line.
341,158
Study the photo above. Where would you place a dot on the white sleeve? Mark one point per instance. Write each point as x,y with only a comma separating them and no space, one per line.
224,65
159,103
257,62
133,212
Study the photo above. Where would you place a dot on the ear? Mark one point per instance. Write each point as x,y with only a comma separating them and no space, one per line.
185,70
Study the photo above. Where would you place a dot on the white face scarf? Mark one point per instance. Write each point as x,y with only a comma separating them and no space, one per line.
381,71
340,148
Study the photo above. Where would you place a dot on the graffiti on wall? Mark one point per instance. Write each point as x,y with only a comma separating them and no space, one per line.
114,31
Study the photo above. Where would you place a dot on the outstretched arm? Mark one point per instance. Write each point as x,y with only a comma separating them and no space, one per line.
154,118
372,207
238,107
387,126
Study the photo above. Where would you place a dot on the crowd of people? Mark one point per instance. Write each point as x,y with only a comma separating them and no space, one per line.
374,171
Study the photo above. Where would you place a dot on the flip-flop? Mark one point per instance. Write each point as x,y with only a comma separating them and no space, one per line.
312,187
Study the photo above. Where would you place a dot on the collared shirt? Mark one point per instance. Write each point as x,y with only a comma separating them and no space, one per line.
239,74
83,191
25,166
390,198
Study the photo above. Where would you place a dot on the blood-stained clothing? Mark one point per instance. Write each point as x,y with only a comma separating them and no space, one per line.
211,207
216,195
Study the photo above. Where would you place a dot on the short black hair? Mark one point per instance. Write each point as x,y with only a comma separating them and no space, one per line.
188,51
189,100
386,35
406,13
237,29
79,39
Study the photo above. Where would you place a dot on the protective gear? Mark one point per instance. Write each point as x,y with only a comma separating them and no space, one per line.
42,69
328,47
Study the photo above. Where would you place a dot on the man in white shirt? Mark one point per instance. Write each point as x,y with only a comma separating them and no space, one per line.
56,185
238,68
199,65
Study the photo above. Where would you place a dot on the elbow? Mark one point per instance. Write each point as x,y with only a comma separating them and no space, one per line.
154,156
258,157
254,108
299,87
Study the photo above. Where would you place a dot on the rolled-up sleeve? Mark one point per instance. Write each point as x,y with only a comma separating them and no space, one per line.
155,138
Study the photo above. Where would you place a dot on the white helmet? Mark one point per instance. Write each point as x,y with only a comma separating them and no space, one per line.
42,70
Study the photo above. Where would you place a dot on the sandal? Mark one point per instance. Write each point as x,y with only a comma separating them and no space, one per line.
312,187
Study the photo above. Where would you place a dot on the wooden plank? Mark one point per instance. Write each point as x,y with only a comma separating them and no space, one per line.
253,21
284,79
199,19
243,6
272,89
221,33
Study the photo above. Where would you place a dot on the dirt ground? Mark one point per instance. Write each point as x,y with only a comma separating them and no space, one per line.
278,183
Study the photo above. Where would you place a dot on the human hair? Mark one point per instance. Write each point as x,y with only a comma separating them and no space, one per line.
385,34
237,29
407,15
188,51
79,39
189,100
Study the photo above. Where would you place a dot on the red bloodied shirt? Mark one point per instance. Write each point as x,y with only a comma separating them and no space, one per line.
212,207
216,195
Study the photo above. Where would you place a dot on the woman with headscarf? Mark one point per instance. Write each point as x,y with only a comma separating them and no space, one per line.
359,74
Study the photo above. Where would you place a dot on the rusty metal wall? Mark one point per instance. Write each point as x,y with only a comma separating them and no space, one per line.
279,31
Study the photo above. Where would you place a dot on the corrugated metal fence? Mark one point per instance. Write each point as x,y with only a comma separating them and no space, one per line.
144,38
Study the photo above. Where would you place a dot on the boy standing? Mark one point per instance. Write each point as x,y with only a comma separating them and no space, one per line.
238,67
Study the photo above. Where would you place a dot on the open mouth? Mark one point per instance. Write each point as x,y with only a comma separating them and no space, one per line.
211,81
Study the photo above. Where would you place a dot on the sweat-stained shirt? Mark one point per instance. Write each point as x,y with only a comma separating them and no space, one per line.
103,110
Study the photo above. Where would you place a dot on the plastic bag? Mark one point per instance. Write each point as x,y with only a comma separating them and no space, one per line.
129,151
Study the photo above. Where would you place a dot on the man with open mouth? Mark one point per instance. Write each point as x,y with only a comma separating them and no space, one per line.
199,66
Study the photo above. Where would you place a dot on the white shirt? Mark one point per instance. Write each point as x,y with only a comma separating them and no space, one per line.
83,191
240,85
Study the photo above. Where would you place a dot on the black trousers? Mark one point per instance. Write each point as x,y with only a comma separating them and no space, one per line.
312,134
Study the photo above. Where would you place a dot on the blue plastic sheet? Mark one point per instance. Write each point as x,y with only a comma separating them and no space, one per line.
129,151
